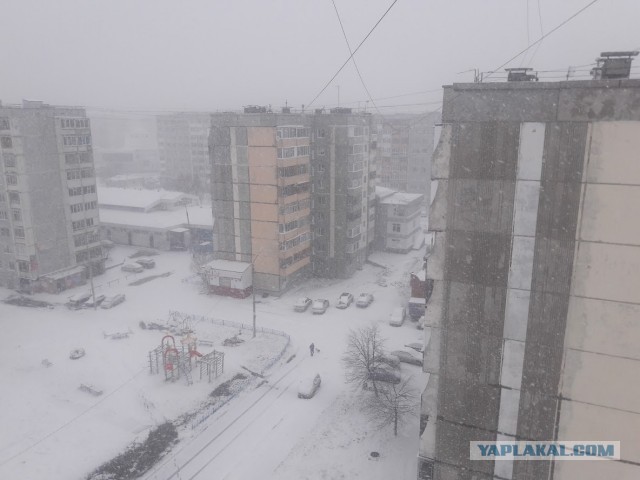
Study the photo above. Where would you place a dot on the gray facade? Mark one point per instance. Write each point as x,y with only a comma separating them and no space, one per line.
511,177
48,203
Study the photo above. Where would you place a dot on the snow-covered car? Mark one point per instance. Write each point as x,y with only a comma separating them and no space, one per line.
302,304
146,262
382,374
320,305
111,302
345,300
406,357
76,301
76,353
391,360
90,303
364,300
396,318
418,347
309,386
132,268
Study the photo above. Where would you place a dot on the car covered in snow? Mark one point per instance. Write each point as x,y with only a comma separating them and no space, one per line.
320,305
111,302
146,262
302,304
91,303
396,318
76,301
384,374
132,268
76,353
308,387
406,357
345,300
364,300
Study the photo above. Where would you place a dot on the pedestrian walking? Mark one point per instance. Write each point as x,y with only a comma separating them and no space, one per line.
312,348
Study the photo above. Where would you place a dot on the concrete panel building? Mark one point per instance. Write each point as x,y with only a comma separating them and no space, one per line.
343,161
261,195
48,205
532,327
398,220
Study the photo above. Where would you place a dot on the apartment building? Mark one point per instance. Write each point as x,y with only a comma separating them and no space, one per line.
532,330
261,195
183,150
49,223
343,163
405,147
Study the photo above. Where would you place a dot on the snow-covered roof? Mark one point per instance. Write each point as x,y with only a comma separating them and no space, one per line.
400,198
115,197
199,216
227,265
384,192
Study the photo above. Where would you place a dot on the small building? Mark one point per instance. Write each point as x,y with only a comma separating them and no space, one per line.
398,220
228,277
153,219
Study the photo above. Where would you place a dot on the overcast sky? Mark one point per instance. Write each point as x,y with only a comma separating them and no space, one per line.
222,54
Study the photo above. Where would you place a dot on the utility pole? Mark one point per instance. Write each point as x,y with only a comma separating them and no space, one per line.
253,291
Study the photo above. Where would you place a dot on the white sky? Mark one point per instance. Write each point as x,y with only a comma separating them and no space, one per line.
208,55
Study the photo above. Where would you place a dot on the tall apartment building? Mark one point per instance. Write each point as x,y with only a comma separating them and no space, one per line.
183,149
343,162
48,204
533,328
405,147
261,194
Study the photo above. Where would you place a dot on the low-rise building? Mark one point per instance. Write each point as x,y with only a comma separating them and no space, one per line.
398,220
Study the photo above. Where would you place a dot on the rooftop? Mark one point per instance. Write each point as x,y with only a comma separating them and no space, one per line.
199,216
114,197
227,265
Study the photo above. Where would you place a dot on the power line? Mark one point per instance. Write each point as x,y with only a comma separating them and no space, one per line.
352,57
354,52
544,36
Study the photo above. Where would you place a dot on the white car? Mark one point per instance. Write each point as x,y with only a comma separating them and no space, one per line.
111,302
320,305
396,318
302,304
146,262
132,268
345,300
309,386
364,300
76,302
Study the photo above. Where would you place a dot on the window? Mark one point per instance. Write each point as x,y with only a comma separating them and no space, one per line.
322,200
90,205
4,123
16,214
321,133
292,171
18,232
14,197
3,215
76,140
294,189
9,160
12,179
287,227
5,142
76,207
23,266
4,232
73,174
395,227
74,122
79,225
302,151
289,152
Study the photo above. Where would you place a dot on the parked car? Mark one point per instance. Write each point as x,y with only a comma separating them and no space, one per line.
345,300
396,318
320,305
146,262
418,347
382,374
76,353
111,302
76,301
90,303
302,304
132,268
364,300
390,360
406,357
309,386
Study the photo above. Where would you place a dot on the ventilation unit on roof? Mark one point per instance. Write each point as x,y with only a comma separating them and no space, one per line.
612,65
340,110
521,75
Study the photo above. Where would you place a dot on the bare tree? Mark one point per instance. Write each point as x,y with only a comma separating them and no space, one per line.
365,353
393,404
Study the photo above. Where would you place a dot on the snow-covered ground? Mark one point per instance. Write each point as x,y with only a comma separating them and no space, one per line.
53,430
